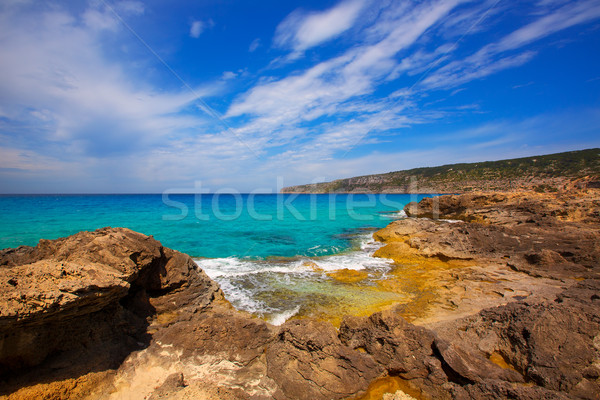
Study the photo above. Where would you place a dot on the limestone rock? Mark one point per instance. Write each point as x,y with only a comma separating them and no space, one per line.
402,349
82,300
472,368
173,384
500,390
308,361
553,236
398,395
112,314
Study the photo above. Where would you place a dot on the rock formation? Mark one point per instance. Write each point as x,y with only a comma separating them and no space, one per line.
549,336
79,305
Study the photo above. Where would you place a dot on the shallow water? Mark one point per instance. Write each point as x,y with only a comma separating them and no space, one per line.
271,254
306,286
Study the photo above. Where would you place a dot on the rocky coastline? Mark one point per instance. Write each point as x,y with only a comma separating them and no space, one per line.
511,309
545,173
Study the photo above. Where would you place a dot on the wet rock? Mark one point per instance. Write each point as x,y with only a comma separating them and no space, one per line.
348,275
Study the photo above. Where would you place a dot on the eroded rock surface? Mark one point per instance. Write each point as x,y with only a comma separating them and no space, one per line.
309,361
536,257
73,308
539,234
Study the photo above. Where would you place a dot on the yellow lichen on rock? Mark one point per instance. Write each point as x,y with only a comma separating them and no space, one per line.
419,275
312,265
500,361
348,275
390,388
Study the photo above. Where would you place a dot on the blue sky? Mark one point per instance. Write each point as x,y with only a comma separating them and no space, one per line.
146,96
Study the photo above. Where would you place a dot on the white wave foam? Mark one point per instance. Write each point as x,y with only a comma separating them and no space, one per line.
231,266
399,215
361,259
358,260
241,298
244,281
280,318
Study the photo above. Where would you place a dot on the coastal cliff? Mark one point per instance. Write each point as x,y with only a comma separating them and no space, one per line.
510,310
545,173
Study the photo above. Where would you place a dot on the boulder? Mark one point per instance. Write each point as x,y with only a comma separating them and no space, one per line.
86,297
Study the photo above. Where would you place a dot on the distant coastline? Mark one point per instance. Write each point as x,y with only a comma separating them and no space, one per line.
544,173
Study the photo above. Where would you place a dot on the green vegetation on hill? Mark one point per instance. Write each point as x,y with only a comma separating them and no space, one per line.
540,173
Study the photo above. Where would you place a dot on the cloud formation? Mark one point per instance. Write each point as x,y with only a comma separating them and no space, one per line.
85,107
196,29
343,84
302,30
254,45
65,101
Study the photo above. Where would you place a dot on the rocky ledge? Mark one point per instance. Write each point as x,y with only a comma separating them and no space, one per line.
523,284
113,314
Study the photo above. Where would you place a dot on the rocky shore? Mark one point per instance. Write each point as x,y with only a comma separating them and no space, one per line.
544,173
509,308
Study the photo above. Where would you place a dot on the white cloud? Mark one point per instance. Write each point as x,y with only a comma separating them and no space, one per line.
301,30
66,107
70,113
102,16
492,57
493,140
99,20
196,29
227,75
574,13
334,87
130,7
475,67
254,45
321,88
336,91
27,161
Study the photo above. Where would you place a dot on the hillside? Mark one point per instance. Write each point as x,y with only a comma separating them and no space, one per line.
545,173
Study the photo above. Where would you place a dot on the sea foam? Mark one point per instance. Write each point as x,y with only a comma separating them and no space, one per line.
256,286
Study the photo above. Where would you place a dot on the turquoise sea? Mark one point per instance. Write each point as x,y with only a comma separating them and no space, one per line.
269,252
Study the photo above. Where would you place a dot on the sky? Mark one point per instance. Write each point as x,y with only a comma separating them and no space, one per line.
109,96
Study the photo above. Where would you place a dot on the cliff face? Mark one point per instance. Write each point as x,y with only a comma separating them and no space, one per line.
548,173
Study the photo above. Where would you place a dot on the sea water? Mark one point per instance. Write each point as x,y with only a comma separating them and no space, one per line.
270,253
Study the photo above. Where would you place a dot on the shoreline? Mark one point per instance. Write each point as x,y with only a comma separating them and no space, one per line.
318,286
494,298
